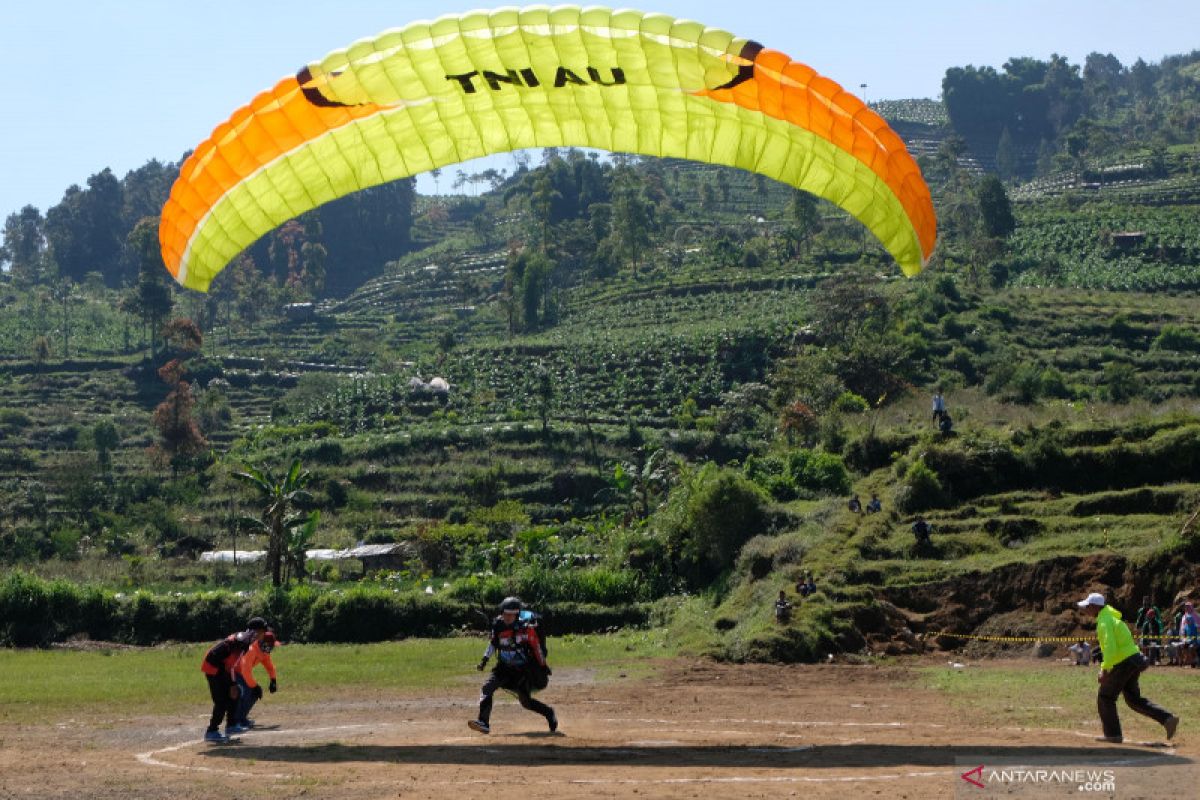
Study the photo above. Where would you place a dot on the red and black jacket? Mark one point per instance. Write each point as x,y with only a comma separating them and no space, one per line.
223,656
516,644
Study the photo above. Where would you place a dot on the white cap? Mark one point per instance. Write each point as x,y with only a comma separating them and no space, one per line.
1093,599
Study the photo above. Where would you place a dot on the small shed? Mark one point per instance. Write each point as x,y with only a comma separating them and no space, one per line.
375,557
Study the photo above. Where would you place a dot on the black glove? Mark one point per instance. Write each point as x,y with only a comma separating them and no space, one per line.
482,663
274,687
257,690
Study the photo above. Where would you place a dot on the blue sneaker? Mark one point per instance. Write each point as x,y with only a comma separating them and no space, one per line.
215,736
235,729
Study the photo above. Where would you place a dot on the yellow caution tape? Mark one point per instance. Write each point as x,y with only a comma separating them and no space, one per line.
980,638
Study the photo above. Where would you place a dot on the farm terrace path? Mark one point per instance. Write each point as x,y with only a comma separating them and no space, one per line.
688,730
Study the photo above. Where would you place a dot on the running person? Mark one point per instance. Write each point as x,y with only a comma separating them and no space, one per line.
218,667
519,652
1119,670
250,692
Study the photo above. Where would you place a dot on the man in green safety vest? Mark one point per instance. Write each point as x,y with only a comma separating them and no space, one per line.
1120,668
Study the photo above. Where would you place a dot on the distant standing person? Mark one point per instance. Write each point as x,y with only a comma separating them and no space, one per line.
939,405
1150,633
1189,636
1081,651
874,506
921,531
855,505
1123,663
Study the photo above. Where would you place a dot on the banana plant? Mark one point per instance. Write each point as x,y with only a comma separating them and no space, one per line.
280,520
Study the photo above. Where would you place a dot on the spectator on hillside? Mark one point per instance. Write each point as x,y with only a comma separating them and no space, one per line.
1081,651
1189,636
945,424
939,406
1146,606
783,608
1176,621
921,531
806,585
875,506
855,505
1150,631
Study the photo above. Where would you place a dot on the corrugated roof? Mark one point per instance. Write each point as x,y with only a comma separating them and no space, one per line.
324,554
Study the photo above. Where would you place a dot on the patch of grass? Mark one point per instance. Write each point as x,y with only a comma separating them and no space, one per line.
1050,694
46,685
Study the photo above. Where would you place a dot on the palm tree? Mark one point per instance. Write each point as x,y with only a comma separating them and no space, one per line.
280,521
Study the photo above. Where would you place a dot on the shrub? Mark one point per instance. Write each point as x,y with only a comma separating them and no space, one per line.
1175,337
921,488
1120,382
14,418
34,612
820,472
709,517
850,403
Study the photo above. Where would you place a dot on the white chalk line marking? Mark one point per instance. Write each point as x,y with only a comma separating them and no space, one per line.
149,757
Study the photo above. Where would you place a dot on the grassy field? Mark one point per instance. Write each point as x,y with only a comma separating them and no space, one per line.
47,685
1049,694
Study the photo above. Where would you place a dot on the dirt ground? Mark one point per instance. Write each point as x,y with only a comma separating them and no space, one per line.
692,729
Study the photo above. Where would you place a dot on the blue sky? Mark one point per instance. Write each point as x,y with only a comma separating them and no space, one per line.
100,83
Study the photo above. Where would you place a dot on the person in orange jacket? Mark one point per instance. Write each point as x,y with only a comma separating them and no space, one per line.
250,692
218,667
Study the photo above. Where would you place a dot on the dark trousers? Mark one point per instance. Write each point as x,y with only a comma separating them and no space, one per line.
514,680
223,705
1123,679
246,700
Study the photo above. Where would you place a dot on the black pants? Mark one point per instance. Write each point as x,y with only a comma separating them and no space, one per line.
223,705
1123,679
514,680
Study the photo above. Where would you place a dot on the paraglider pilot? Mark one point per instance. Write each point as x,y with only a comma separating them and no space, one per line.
521,657
218,666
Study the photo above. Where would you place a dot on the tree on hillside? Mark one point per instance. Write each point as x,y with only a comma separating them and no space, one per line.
24,246
85,230
1006,156
995,210
631,219
179,436
151,300
545,396
66,297
41,352
280,519
542,202
105,439
804,221
183,336
527,293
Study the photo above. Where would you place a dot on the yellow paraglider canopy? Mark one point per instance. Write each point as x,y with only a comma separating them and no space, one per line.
437,93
